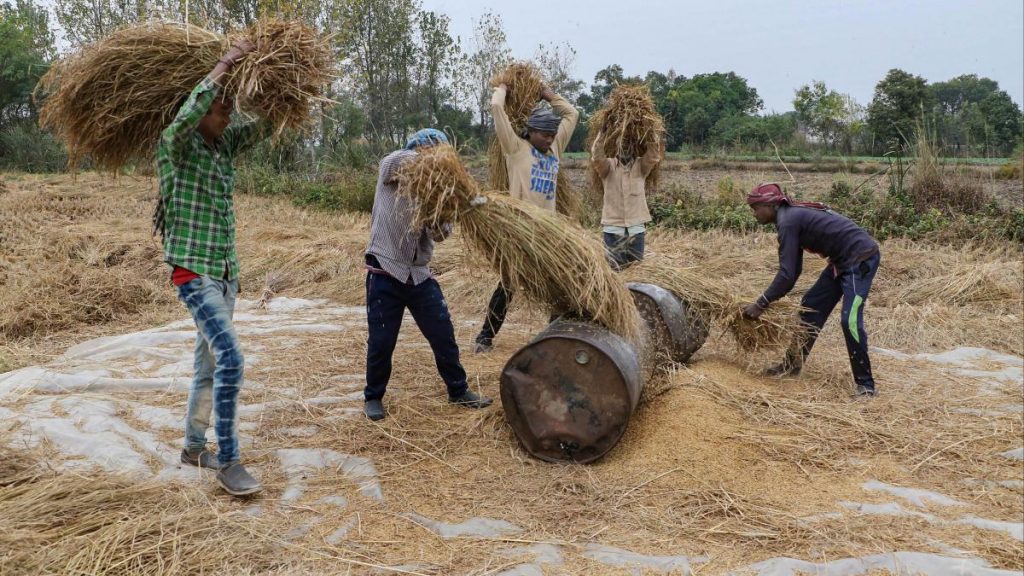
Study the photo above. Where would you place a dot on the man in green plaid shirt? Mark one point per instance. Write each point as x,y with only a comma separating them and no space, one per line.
196,219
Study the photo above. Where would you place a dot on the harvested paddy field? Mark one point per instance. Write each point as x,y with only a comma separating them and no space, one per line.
724,472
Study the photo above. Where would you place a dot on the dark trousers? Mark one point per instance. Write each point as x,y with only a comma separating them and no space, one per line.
386,301
497,309
851,286
624,250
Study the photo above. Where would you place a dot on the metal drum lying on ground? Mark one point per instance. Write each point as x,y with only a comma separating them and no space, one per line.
569,393
676,329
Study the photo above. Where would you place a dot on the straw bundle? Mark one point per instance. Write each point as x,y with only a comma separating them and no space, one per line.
550,259
630,124
716,300
112,100
524,83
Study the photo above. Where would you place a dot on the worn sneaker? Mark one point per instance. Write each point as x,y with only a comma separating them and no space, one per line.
374,409
863,391
471,399
203,459
782,370
235,480
483,346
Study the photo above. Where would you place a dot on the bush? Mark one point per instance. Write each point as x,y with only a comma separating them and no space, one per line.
23,146
680,207
346,191
1010,170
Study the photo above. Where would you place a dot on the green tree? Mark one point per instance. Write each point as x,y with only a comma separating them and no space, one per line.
377,36
85,21
821,111
26,49
692,107
899,103
491,54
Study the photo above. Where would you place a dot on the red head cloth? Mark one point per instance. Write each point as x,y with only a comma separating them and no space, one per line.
772,194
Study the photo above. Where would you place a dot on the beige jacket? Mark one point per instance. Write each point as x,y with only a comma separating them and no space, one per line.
532,175
625,196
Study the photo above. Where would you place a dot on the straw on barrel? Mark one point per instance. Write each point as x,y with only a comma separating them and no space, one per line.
535,251
111,100
717,300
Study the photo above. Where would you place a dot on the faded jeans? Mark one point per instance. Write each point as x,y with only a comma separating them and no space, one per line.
218,366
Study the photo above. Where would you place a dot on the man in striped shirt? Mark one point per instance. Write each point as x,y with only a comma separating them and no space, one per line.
196,220
398,277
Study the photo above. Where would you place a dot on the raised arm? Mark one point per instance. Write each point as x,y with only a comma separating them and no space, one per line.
507,137
651,158
569,115
602,165
198,103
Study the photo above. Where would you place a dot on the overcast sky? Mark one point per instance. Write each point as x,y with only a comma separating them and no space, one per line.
777,45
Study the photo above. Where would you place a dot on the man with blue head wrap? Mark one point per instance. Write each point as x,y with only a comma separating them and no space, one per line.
398,278
426,137
531,159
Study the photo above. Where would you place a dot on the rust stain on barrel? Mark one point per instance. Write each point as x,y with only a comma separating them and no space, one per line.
569,393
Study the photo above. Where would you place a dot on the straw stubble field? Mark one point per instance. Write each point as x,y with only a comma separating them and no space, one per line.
721,470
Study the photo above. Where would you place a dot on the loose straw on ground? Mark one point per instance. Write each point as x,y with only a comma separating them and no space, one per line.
112,100
552,260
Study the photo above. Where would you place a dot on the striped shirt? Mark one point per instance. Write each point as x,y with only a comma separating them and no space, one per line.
402,252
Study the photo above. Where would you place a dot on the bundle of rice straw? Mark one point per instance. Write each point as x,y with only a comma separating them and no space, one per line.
630,124
552,260
717,301
112,100
524,83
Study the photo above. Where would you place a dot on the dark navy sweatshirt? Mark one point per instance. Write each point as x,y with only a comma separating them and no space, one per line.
822,232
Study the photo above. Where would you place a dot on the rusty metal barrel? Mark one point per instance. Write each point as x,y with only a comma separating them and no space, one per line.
675,329
569,393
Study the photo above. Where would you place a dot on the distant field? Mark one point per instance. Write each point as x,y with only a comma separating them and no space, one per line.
809,159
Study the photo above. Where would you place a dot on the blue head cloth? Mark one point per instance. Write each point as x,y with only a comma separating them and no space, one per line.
426,137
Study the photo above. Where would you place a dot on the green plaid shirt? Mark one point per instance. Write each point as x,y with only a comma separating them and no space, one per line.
196,184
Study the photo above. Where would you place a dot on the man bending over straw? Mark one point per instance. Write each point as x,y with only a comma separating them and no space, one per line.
624,212
853,258
196,219
532,161
398,277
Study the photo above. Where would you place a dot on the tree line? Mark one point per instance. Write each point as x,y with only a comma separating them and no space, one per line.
402,69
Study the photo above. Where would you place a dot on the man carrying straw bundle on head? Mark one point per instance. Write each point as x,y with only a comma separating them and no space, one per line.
532,160
853,258
624,213
398,277
196,219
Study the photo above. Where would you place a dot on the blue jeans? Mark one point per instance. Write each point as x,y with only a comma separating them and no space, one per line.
624,250
851,286
386,301
218,366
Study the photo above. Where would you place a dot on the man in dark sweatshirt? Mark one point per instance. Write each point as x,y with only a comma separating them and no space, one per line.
853,258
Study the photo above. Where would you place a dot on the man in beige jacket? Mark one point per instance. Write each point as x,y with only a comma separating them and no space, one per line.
532,161
625,211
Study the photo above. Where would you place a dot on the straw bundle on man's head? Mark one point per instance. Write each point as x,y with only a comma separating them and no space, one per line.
112,100
629,124
551,259
524,82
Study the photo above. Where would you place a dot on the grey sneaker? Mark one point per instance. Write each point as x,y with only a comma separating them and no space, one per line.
471,399
235,480
374,410
863,391
203,459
